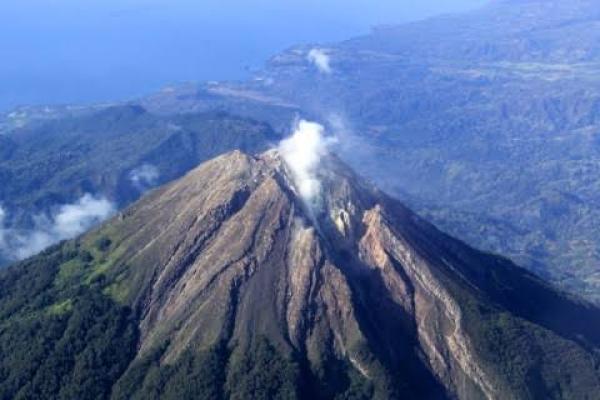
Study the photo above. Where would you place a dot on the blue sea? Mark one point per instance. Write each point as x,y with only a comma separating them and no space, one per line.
72,51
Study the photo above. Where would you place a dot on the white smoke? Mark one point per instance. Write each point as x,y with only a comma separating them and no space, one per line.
144,177
68,222
353,148
321,60
302,152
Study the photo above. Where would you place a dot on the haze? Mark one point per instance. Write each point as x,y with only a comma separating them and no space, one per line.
64,51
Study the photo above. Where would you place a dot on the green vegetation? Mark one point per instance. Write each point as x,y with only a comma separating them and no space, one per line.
103,243
63,336
195,375
61,308
262,373
530,359
60,341
259,373
54,162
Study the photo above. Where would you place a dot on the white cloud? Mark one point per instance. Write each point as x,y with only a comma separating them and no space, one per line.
321,60
68,222
144,177
23,245
302,152
74,219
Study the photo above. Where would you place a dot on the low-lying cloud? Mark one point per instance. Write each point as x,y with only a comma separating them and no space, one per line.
68,222
144,177
74,219
320,59
302,152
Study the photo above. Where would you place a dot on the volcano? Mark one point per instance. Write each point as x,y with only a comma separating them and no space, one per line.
229,284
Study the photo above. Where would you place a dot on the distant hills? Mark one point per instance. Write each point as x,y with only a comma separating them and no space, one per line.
517,31
485,122
117,152
488,122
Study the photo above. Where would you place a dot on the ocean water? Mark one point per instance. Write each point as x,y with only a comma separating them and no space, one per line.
70,51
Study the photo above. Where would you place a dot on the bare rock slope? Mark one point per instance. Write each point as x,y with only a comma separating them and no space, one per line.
240,289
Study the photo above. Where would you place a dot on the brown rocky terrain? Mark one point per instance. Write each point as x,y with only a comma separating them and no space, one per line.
229,254
229,272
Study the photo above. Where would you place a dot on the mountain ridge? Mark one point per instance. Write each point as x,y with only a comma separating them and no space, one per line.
230,274
508,173
488,120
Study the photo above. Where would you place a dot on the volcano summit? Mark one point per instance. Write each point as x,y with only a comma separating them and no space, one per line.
228,284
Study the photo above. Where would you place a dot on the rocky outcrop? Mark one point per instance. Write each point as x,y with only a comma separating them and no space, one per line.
358,289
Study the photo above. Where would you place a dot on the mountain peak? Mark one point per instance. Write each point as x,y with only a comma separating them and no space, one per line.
235,253
344,292
341,199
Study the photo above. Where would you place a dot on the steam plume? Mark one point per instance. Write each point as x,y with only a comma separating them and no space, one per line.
302,153
321,60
